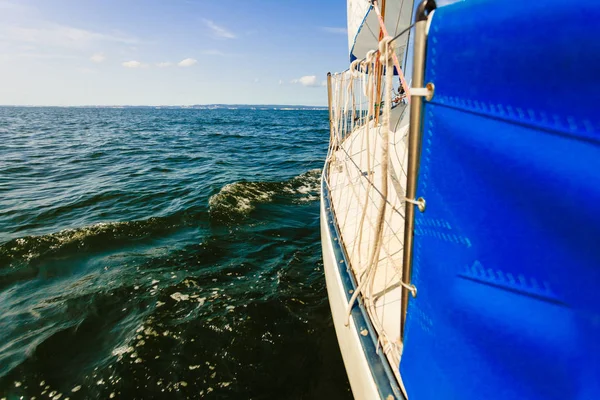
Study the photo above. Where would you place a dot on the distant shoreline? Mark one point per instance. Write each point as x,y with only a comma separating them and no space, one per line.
282,107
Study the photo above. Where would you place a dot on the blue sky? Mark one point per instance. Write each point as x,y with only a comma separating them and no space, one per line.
175,52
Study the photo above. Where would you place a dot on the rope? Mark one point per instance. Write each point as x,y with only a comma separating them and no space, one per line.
369,90
384,49
395,58
370,60
354,107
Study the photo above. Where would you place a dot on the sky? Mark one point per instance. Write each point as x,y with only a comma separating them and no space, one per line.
175,52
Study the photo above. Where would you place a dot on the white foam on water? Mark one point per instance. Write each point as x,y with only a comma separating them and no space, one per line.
119,351
180,297
240,198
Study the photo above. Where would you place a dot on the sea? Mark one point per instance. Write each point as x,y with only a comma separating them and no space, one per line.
164,253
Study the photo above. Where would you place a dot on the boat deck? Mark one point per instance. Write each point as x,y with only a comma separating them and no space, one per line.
355,184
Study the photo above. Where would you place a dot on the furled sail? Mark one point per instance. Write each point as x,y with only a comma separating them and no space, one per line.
363,24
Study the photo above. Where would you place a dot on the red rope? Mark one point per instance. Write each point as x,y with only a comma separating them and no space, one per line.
395,58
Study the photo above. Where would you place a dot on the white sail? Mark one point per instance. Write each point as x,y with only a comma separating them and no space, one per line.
363,24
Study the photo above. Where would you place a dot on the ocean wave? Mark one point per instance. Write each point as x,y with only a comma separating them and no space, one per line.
27,249
235,201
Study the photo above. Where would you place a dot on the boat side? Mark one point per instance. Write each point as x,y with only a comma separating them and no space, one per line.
368,371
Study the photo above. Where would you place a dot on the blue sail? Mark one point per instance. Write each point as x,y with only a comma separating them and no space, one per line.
507,253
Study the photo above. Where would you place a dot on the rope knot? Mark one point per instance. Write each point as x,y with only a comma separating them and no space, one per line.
354,68
370,57
385,49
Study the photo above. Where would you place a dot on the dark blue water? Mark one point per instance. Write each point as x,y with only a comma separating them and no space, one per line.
163,254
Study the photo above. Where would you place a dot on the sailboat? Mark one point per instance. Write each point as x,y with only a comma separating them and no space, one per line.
460,200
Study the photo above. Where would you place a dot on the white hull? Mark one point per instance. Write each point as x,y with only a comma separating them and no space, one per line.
350,204
359,374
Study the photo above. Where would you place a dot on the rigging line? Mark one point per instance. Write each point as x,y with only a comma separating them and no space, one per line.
343,79
391,229
343,114
350,89
402,139
369,90
385,51
376,37
366,276
400,119
384,249
399,15
367,189
385,167
395,58
368,180
408,28
404,154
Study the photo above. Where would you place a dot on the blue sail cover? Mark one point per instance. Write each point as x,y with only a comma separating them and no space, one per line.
507,254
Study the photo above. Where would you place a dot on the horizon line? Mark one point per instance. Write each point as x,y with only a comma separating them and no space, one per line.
165,105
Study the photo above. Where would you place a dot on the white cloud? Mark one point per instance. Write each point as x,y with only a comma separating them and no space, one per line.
98,58
308,80
219,31
256,80
280,82
133,64
330,29
188,62
164,64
